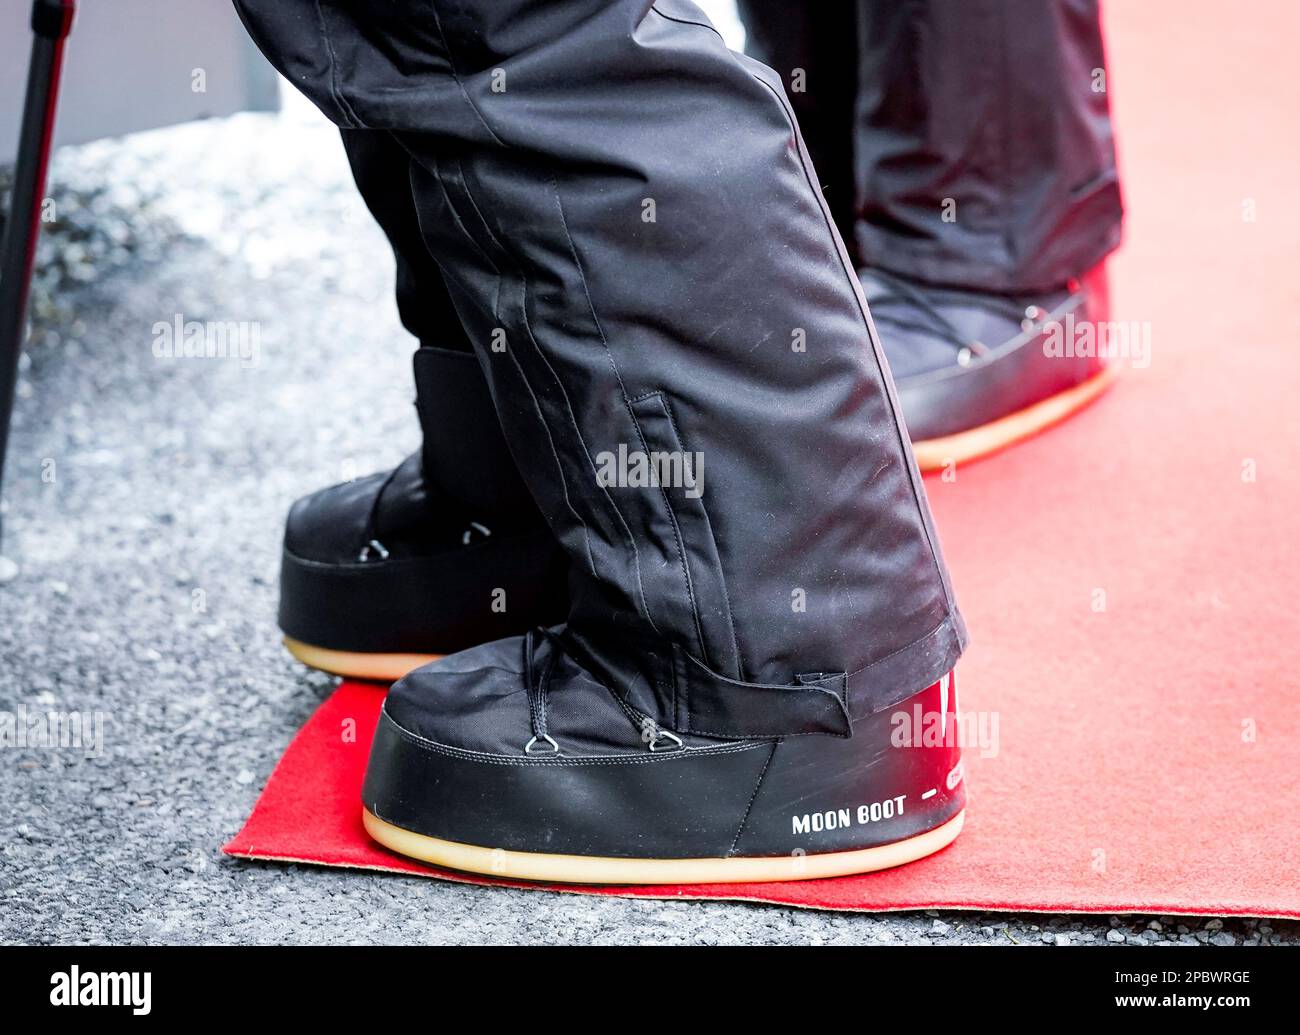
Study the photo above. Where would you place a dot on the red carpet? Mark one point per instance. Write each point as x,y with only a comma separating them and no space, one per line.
1129,577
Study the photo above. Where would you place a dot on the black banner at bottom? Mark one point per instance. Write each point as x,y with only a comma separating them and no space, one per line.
145,984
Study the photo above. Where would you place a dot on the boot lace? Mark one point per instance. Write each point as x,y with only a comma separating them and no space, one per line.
899,294
537,683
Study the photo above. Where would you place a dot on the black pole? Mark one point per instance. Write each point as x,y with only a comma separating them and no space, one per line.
51,23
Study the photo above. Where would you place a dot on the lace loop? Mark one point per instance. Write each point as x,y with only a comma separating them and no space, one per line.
537,683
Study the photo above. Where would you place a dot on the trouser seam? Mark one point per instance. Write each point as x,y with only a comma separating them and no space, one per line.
677,540
455,74
532,394
344,107
627,404
686,21
722,576
568,408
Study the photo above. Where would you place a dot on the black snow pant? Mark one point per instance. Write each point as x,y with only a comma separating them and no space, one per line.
633,237
381,168
960,142
964,143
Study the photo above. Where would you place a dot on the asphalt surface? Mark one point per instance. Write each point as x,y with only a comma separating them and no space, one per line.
145,501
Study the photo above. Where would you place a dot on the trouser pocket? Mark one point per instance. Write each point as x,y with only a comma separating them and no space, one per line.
676,479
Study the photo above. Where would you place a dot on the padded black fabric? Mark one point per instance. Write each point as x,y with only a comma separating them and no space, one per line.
809,547
1009,365
965,143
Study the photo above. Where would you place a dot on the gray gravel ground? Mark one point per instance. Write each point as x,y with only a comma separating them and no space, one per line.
145,502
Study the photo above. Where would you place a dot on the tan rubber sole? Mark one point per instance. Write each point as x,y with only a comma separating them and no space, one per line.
382,668
580,869
937,453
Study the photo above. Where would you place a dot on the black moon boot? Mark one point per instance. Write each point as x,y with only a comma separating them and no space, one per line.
387,572
977,373
683,366
515,761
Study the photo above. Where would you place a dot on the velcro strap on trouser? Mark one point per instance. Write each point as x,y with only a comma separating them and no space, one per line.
712,705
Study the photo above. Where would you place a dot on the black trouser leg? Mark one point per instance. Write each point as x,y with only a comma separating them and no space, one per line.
982,147
814,48
381,168
464,455
634,238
